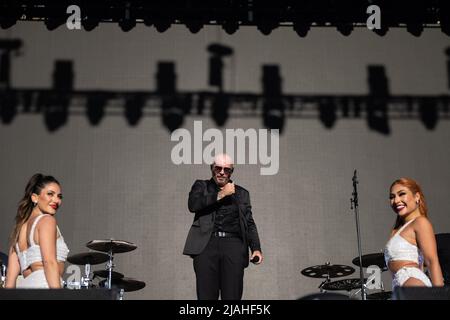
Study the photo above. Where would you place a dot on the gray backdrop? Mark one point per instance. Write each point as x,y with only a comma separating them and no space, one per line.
119,182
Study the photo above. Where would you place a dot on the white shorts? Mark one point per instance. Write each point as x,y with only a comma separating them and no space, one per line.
402,275
35,280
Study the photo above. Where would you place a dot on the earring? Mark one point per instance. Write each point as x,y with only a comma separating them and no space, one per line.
417,202
34,204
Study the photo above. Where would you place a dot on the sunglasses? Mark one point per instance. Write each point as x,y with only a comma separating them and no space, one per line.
218,169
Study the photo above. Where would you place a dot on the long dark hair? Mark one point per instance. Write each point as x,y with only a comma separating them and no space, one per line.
415,188
35,185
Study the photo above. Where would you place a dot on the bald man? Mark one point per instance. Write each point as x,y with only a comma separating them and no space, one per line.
222,233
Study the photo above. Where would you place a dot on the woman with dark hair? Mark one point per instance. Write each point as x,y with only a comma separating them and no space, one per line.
37,248
412,243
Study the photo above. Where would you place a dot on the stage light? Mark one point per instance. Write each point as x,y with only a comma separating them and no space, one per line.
55,17
415,29
162,25
415,16
382,31
127,24
266,26
128,20
194,26
90,22
302,28
91,17
230,26
345,28
52,23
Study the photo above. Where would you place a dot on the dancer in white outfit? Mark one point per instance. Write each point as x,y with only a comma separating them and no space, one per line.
412,244
37,250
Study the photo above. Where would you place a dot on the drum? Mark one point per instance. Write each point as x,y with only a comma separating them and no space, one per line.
3,264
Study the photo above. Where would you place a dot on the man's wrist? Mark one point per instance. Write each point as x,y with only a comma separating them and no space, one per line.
219,195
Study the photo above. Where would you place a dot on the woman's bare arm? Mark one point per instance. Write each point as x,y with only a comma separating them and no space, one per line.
13,269
426,241
47,242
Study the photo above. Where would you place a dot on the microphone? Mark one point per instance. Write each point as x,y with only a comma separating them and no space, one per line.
255,259
354,179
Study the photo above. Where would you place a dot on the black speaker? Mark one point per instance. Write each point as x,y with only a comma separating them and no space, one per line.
443,250
59,294
421,293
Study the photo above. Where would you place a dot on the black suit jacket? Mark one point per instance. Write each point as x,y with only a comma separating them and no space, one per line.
203,202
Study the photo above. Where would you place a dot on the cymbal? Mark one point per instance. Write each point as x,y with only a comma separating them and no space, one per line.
331,270
105,274
127,284
344,284
382,295
116,246
88,258
376,259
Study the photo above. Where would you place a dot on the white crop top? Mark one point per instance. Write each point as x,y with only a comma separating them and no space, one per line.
398,248
33,253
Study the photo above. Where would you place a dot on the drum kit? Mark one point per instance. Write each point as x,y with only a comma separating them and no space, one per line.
104,251
3,263
329,271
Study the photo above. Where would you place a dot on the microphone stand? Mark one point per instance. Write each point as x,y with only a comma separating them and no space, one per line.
354,206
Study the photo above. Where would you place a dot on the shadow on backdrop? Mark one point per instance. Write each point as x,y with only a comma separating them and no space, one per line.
172,105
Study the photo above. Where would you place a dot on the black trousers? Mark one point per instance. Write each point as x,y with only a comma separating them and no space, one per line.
220,268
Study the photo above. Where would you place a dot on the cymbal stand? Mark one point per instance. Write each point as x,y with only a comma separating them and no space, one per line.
85,280
110,266
327,280
121,294
354,206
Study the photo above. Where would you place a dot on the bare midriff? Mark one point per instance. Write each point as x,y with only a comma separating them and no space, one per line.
394,266
39,266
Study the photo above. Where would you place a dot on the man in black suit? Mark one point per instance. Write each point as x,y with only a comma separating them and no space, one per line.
221,234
